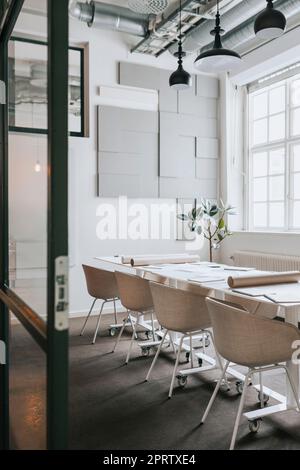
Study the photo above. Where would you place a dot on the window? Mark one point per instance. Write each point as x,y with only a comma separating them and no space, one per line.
274,156
28,95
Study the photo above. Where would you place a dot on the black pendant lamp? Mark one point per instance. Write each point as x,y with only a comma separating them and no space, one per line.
180,79
270,23
217,59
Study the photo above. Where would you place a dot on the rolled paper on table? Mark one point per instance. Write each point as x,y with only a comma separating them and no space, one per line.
175,259
126,259
263,279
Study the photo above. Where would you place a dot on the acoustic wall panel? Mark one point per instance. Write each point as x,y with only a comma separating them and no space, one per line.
188,132
207,148
198,106
139,76
188,188
128,152
173,155
150,77
208,86
206,168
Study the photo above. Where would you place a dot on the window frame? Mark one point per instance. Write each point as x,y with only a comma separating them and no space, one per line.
287,142
84,125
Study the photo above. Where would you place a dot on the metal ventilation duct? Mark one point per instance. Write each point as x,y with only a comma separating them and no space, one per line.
154,7
230,20
105,16
245,32
238,22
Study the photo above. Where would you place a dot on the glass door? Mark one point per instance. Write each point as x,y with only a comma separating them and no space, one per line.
34,224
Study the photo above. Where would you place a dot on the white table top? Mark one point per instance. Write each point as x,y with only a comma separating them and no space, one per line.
188,273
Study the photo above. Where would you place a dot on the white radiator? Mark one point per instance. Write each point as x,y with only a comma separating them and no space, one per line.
266,261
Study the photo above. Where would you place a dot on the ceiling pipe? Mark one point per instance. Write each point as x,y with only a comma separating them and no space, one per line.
201,36
246,33
110,17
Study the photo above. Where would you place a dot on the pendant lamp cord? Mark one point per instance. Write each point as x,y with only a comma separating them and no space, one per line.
217,30
180,36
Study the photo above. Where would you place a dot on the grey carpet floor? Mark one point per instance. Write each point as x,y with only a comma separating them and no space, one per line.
111,406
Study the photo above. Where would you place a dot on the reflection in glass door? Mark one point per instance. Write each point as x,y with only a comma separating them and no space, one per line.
34,225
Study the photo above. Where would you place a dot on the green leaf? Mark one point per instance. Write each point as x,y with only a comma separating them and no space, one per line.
192,226
182,217
220,237
214,210
221,224
199,212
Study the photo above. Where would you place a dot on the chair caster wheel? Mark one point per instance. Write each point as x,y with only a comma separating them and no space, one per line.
200,362
207,342
265,398
226,386
145,352
187,356
182,380
254,425
149,335
112,332
239,386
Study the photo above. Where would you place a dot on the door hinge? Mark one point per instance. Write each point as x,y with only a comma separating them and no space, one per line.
62,293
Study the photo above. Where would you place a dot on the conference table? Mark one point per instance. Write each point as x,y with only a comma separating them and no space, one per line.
191,276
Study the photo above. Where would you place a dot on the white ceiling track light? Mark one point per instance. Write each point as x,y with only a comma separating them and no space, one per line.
149,7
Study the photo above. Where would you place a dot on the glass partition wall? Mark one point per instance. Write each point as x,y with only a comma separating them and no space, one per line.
34,226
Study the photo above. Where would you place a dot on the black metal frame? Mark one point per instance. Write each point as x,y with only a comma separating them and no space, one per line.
54,342
57,341
32,130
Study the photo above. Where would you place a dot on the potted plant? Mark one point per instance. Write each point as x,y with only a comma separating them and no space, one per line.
209,219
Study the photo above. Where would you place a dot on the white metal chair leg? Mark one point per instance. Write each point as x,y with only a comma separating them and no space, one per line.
292,387
132,339
115,311
191,352
121,332
153,329
261,392
213,397
175,367
156,355
240,409
98,323
218,359
86,320
133,326
173,346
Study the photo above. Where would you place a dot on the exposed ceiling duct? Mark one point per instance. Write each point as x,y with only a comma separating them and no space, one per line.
110,17
231,19
165,33
160,33
238,23
244,33
154,7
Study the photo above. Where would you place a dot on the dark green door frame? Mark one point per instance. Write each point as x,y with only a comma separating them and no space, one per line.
53,336
8,21
57,357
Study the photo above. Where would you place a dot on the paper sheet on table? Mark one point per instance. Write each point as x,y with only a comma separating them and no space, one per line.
255,291
238,268
284,297
204,279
